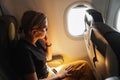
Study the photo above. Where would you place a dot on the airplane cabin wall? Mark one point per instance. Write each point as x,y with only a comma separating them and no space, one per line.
112,13
55,12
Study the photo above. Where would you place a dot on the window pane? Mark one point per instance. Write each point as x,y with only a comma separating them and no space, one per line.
118,20
75,21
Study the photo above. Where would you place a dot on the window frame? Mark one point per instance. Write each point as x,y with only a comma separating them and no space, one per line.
85,4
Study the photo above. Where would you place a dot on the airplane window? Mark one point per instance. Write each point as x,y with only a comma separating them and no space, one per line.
118,20
75,20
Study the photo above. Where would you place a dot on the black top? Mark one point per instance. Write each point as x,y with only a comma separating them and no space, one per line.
29,59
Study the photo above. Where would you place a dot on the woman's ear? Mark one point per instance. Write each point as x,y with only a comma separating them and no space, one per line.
33,32
36,33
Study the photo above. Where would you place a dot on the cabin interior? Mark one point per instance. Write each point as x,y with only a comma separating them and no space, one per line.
95,39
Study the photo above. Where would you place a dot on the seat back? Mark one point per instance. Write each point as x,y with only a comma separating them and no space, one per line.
112,36
8,38
102,56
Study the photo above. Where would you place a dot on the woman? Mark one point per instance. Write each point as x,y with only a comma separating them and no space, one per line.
30,60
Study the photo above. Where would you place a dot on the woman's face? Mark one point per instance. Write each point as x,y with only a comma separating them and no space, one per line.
42,33
39,31
43,29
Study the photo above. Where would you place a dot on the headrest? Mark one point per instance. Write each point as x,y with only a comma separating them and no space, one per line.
95,15
88,19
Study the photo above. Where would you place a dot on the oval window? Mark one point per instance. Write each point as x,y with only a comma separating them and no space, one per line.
11,31
75,20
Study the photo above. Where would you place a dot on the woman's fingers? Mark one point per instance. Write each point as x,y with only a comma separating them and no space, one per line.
69,68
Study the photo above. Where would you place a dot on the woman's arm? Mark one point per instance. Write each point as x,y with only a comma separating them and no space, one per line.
48,47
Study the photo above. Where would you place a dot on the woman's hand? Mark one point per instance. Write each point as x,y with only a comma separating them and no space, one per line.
46,40
65,73
62,75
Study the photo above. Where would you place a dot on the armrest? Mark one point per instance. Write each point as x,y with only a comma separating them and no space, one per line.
56,61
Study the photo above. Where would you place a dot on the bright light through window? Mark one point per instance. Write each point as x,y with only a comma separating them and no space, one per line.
75,21
118,20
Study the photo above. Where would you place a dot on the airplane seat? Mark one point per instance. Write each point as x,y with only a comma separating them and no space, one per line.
113,38
98,68
8,38
111,35
102,56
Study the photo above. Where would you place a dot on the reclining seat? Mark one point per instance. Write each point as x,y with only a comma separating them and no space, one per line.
97,60
102,56
112,36
8,37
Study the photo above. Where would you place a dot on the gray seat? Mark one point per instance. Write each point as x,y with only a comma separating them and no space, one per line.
103,58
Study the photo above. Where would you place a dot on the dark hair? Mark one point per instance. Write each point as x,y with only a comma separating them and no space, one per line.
32,18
